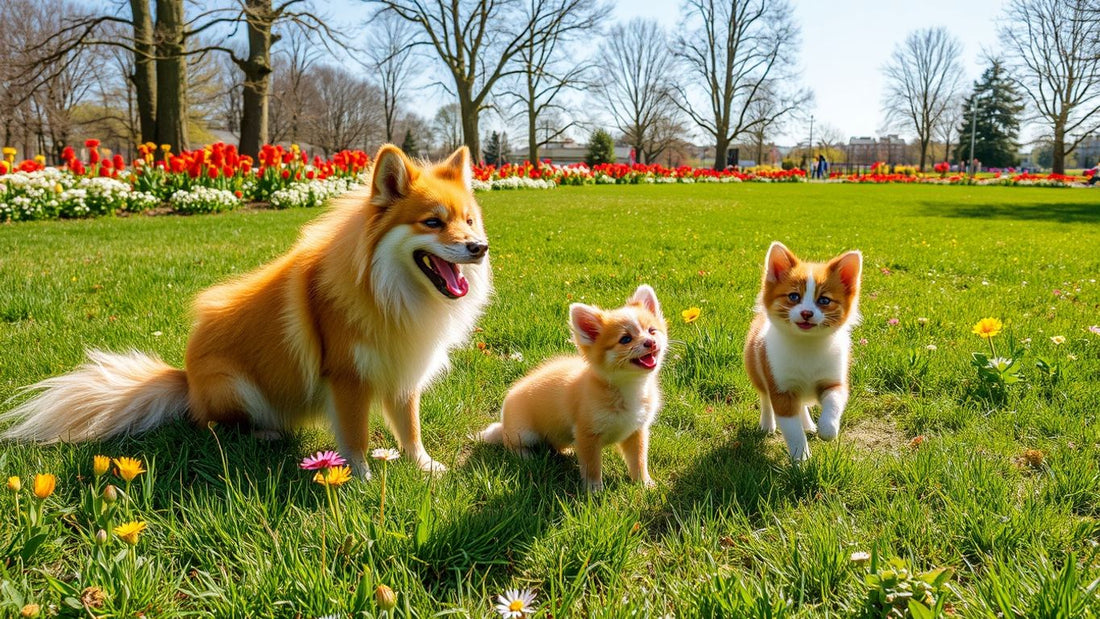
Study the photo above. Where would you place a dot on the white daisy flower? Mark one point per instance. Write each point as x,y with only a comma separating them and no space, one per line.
516,603
386,455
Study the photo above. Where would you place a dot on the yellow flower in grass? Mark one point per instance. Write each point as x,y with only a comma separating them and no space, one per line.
129,532
691,314
14,483
128,468
9,152
987,328
334,476
100,465
44,485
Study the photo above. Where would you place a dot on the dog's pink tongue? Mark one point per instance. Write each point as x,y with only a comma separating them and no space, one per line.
456,282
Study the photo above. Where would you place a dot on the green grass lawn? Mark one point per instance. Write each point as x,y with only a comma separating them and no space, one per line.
930,468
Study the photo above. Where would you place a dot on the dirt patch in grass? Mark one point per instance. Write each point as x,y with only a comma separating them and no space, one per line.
875,435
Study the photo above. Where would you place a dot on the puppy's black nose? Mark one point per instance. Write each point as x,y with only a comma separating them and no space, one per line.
477,249
649,343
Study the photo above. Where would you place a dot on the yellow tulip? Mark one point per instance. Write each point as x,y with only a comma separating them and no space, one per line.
44,485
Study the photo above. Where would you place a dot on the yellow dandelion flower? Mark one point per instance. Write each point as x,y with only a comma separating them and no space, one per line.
100,465
15,484
691,314
129,531
166,147
334,476
40,159
987,328
128,468
44,485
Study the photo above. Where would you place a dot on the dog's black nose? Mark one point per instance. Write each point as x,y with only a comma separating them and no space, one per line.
477,248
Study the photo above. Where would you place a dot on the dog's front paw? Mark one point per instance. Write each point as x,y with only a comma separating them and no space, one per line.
828,429
360,468
767,426
431,466
593,486
649,483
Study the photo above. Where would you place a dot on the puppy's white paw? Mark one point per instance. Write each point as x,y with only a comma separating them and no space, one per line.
594,486
649,483
829,429
431,466
767,426
360,468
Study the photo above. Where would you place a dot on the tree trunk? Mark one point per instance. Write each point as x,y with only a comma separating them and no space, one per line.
720,150
257,77
144,77
469,111
171,104
532,135
1058,163
923,153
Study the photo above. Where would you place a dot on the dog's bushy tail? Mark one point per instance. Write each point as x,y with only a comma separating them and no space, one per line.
109,395
494,434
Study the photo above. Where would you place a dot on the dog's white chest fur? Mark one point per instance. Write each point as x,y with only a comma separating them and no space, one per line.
635,409
801,364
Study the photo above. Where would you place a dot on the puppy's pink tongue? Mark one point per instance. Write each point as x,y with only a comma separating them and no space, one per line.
648,361
455,280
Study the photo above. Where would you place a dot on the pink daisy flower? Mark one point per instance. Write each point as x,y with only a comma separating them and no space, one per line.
322,460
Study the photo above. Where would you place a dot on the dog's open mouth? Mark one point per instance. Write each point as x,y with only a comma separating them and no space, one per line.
805,325
445,276
646,362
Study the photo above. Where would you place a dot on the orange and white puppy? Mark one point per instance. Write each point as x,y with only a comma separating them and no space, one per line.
362,310
606,395
799,344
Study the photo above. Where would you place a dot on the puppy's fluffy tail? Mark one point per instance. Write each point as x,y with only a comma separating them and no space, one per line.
109,395
494,433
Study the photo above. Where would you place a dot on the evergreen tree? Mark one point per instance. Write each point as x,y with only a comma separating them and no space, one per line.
493,151
410,144
996,123
601,148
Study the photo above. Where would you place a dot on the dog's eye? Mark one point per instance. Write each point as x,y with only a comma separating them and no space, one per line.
469,221
794,297
433,222
653,330
626,339
823,301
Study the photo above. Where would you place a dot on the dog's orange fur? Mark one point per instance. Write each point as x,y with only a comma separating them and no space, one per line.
792,367
342,320
597,398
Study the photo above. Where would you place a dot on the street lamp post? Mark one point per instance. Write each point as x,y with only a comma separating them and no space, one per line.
973,129
811,147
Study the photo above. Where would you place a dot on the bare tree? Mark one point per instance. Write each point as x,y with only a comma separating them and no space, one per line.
293,90
391,54
948,129
730,50
348,111
634,84
1054,55
477,41
447,127
547,73
922,81
769,112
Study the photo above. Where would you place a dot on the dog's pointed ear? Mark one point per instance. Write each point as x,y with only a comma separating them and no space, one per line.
458,168
779,261
393,175
647,298
848,266
586,321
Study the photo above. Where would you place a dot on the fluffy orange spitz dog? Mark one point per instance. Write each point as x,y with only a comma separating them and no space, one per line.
606,395
362,310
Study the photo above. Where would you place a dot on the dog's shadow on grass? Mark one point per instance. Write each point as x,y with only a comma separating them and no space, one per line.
1062,212
740,473
515,501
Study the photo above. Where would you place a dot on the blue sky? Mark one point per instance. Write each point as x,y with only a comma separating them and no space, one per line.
845,44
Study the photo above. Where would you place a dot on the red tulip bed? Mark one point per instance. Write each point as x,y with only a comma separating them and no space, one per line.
217,178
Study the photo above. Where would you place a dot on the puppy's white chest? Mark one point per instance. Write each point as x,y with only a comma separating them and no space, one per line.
801,366
614,426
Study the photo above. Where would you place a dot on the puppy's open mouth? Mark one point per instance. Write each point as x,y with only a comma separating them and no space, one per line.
445,276
805,325
646,362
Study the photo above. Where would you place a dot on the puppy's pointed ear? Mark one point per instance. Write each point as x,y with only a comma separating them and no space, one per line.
458,168
393,175
647,298
586,321
779,261
849,267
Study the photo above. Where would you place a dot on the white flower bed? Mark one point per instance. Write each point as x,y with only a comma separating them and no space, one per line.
516,182
52,193
311,193
203,200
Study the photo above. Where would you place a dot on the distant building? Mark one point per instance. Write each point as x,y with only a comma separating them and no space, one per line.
863,151
567,151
